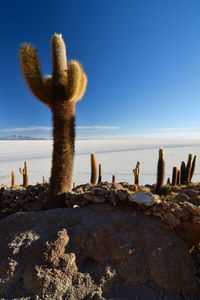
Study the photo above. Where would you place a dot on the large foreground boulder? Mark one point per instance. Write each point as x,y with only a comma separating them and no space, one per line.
95,252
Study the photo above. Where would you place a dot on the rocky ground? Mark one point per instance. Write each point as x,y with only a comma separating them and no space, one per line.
110,241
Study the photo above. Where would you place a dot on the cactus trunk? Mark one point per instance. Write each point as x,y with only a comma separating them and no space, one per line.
174,176
182,175
93,178
193,167
160,172
63,148
188,168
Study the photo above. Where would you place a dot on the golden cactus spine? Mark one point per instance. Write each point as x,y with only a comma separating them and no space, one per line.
100,174
182,173
188,168
193,167
24,172
160,171
60,92
174,176
93,178
12,179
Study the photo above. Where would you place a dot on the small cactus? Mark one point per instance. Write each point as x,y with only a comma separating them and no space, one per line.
193,167
43,180
113,179
60,92
74,185
168,180
174,176
182,175
136,172
160,171
100,177
93,178
13,179
24,173
188,168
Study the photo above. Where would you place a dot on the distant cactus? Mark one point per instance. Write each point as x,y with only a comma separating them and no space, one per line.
160,171
74,185
43,180
24,173
168,180
60,92
178,177
183,171
113,179
13,179
100,177
193,167
188,168
174,176
93,178
136,172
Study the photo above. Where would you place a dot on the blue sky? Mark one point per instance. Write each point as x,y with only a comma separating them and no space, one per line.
142,59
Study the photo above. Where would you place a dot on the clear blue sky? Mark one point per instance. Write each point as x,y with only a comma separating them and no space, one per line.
142,59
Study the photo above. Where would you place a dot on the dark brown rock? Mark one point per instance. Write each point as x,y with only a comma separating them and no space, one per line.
95,251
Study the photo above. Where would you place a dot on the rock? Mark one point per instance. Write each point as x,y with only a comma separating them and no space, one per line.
94,198
191,208
123,195
94,252
142,198
112,197
182,197
171,220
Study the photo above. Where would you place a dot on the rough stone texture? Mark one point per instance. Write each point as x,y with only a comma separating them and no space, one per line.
93,252
142,198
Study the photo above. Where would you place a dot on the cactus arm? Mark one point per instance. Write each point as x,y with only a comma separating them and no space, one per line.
32,71
74,77
82,87
59,59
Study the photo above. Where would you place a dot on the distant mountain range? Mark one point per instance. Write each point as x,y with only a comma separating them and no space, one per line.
16,137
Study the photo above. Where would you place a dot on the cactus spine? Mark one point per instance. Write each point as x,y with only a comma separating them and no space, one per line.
24,173
160,171
188,168
136,172
93,178
60,92
182,175
174,176
12,179
193,167
100,177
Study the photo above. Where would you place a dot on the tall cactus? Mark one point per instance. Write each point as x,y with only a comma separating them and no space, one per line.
193,167
60,92
12,179
188,168
136,172
100,174
183,171
93,178
160,171
24,173
174,176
